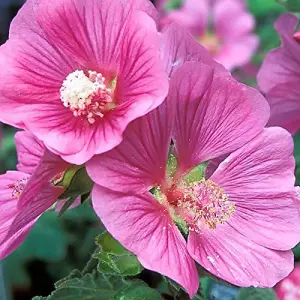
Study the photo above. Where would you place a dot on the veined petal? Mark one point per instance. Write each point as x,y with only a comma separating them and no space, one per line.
285,106
139,162
29,150
259,179
40,193
215,114
144,226
114,38
10,237
178,46
281,65
235,258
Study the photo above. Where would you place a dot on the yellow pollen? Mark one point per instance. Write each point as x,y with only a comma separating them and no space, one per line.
86,96
205,202
18,187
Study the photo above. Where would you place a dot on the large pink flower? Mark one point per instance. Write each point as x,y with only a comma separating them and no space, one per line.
208,115
76,72
27,193
224,27
279,76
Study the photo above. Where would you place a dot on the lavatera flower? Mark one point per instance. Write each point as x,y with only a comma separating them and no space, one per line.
75,73
238,218
27,193
224,27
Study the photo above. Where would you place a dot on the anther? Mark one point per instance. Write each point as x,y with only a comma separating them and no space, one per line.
86,96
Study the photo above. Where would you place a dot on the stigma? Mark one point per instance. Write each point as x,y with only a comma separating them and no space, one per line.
86,96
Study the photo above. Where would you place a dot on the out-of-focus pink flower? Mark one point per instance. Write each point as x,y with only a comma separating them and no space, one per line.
208,115
77,72
27,193
289,288
224,27
279,76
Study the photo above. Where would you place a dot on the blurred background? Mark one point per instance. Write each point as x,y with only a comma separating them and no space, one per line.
58,245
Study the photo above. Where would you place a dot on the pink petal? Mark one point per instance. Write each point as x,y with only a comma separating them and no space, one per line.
29,150
13,241
193,15
279,77
28,15
139,162
61,130
178,46
213,165
64,36
215,114
282,64
144,227
40,193
28,212
232,20
237,53
235,258
285,106
259,178
160,5
8,211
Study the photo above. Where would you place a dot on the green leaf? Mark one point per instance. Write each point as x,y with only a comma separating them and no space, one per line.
108,244
89,287
171,165
173,4
196,174
256,294
80,184
114,259
291,5
67,177
125,265
138,290
46,241
205,283
259,7
85,197
74,274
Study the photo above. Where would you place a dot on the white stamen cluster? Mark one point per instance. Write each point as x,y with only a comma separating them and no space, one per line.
86,96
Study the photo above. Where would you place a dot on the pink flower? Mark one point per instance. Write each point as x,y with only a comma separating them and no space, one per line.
241,221
224,27
28,192
77,72
279,76
289,288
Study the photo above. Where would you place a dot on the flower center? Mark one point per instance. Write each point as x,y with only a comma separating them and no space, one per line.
18,187
211,43
201,204
86,97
